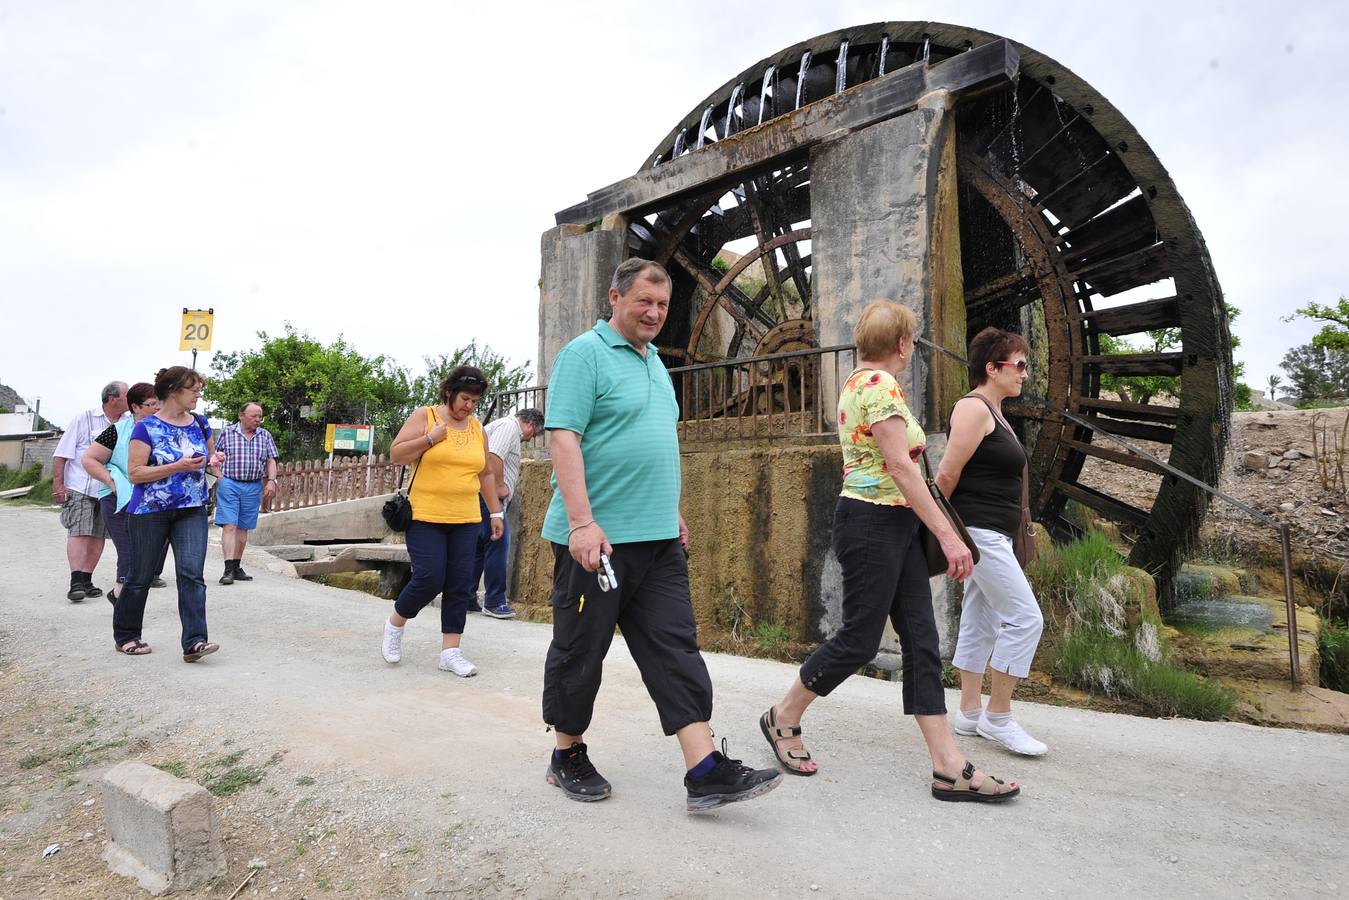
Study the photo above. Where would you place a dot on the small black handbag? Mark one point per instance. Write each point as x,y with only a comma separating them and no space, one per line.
932,551
397,510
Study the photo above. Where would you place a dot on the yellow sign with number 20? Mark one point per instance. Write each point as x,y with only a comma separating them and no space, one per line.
198,328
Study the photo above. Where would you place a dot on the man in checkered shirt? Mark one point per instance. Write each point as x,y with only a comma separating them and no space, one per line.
246,479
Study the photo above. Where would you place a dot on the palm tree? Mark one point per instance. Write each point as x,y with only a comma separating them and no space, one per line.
1274,382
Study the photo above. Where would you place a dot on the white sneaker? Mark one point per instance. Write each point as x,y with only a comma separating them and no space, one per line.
1012,736
452,660
966,725
393,642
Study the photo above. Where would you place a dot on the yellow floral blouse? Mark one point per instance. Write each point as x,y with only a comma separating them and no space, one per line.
868,397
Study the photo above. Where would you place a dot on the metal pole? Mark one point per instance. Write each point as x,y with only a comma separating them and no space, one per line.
1294,664
194,359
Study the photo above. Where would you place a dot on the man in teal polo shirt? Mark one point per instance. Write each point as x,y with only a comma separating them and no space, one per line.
612,419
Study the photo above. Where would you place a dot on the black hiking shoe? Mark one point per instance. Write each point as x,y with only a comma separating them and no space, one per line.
730,781
90,591
576,776
228,577
158,582
76,593
240,574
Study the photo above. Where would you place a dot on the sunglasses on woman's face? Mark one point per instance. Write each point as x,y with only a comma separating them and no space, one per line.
1020,364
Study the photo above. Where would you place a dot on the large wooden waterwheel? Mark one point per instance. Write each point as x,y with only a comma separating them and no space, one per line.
1070,229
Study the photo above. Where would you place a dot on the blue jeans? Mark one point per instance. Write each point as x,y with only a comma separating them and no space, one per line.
489,563
442,563
185,530
118,527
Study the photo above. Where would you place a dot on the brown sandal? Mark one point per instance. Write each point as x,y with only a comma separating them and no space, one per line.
993,790
133,648
790,758
200,649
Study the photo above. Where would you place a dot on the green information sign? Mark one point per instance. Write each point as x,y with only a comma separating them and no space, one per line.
351,438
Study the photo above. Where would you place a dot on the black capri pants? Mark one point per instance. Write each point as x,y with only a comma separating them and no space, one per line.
884,574
653,607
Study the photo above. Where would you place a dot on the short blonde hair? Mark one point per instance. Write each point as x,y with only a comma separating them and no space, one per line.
880,328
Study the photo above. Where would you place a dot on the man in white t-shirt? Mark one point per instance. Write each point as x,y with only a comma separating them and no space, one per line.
504,437
77,492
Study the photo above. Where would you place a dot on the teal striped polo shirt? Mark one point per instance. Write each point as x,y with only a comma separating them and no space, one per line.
622,404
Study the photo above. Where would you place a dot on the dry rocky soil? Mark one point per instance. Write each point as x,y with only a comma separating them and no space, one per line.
1287,464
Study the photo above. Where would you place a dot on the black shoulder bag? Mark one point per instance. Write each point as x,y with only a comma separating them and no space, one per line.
397,509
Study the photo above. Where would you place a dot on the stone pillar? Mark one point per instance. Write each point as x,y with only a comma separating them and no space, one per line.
574,285
884,225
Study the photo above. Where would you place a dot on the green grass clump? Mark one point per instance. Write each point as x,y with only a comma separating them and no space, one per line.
1335,656
1097,661
175,767
234,780
1083,588
770,637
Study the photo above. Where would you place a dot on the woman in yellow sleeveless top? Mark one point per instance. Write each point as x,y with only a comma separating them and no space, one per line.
446,442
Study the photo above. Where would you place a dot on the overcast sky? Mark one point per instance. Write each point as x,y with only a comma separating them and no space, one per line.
384,170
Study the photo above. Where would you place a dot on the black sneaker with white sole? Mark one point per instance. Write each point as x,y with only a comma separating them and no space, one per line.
730,781
576,776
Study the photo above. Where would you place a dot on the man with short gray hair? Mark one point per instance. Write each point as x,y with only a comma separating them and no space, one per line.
77,492
619,547
247,478
504,437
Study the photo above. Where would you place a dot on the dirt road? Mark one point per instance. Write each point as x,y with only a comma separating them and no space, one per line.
374,780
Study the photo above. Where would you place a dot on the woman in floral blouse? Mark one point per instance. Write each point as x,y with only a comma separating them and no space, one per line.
882,507
167,463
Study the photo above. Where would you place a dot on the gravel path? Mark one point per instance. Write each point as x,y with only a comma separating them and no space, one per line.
444,776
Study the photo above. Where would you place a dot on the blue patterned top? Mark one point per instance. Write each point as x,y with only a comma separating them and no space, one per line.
168,444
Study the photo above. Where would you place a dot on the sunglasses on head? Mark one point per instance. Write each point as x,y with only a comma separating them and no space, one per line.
472,381
1020,364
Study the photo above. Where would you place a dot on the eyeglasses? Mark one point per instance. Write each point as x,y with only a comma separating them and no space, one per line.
1020,364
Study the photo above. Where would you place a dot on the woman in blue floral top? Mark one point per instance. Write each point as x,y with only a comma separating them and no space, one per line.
167,464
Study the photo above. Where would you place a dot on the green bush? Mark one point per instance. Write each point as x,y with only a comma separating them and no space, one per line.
1335,657
17,478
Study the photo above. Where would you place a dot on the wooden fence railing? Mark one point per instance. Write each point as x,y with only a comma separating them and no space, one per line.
313,482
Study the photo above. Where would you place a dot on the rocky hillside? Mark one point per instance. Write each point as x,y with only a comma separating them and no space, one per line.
1288,464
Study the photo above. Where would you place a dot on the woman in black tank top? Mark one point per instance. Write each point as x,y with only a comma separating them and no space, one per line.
982,472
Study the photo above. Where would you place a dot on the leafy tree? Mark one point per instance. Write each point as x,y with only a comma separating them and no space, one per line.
1334,335
501,375
304,385
1317,372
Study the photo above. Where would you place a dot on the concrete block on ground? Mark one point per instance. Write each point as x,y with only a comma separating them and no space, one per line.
346,520
162,830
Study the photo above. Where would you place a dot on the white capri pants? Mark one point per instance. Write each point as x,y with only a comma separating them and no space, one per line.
1000,619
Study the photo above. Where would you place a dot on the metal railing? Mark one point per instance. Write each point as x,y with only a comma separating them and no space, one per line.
772,396
1285,539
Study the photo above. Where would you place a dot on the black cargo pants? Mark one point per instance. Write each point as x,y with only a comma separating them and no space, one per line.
653,607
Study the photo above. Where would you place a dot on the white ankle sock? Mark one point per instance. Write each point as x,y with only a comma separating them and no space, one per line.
998,719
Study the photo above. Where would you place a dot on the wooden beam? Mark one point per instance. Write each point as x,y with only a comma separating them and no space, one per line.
1136,363
1143,412
1120,457
747,153
1135,317
1103,503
